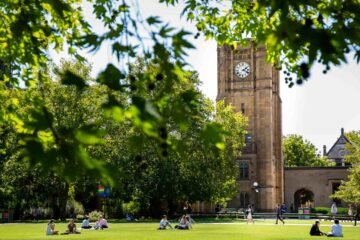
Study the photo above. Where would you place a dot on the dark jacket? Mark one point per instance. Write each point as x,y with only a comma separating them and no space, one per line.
315,231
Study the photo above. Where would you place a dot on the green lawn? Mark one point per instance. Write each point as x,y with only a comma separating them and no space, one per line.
147,231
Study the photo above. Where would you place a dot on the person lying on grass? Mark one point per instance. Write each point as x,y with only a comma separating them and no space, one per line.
50,229
164,223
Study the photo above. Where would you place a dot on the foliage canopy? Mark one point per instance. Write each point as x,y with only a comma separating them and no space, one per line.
349,191
299,152
296,34
188,156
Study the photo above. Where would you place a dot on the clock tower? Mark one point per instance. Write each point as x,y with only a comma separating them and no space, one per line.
251,85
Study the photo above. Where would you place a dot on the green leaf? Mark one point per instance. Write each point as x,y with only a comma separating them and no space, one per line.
70,78
153,20
111,77
213,134
89,136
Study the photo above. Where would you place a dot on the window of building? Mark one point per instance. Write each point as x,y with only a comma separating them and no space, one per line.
248,138
244,199
335,188
243,108
244,170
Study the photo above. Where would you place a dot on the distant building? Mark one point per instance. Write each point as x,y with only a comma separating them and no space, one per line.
312,186
337,152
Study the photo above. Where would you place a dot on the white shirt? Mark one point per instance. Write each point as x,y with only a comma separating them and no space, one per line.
49,231
333,208
164,223
336,230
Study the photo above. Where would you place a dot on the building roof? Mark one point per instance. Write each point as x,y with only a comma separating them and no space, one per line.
337,151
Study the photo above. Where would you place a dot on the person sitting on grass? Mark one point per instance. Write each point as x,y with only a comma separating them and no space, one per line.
336,230
71,228
184,223
189,220
50,229
101,223
164,223
85,223
315,230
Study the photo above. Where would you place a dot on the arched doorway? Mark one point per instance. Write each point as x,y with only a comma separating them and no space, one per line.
303,198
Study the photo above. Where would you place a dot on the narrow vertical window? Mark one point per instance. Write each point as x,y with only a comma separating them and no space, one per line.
244,170
244,199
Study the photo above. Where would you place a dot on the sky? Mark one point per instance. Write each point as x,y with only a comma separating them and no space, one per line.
316,110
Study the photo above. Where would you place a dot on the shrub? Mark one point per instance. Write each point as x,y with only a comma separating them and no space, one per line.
94,215
342,210
323,210
131,207
74,208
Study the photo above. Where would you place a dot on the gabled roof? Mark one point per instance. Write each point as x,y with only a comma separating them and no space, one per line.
338,146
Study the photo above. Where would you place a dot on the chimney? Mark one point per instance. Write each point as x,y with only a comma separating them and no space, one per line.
324,150
342,131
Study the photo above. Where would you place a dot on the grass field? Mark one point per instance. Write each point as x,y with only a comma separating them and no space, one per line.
297,230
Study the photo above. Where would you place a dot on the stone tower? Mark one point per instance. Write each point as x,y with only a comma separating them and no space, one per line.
251,85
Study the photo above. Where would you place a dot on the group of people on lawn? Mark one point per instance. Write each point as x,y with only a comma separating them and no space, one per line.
336,230
72,229
184,223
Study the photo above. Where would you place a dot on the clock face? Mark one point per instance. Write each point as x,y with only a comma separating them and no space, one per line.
242,69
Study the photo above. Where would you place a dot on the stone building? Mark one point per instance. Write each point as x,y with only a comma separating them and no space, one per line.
312,186
251,85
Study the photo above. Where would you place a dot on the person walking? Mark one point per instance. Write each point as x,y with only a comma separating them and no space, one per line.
350,212
249,215
278,214
333,209
357,215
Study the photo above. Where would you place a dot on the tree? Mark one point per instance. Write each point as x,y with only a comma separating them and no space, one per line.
352,148
296,33
26,25
191,162
299,152
27,184
349,191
